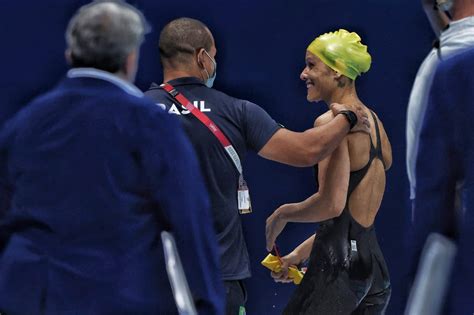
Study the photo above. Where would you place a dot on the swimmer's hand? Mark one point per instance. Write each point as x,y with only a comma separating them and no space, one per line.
292,259
275,224
363,124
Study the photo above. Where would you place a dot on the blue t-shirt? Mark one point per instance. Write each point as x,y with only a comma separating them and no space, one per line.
247,126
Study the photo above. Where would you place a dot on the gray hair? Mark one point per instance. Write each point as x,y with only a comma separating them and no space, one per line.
102,34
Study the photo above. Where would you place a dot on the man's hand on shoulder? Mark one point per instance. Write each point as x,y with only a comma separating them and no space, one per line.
362,124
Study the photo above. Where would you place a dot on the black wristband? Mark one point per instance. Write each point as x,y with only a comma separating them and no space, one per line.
350,116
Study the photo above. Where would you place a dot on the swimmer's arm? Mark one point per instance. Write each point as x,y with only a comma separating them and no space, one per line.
329,201
438,19
303,250
333,178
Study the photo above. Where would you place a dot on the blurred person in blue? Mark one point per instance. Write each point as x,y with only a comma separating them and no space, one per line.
223,129
453,23
90,173
444,200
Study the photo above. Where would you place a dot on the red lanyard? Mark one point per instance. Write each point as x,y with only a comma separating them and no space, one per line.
277,252
183,101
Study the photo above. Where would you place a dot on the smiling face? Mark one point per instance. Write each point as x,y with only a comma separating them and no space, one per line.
320,79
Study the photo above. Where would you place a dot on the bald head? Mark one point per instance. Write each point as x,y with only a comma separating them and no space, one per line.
181,39
102,34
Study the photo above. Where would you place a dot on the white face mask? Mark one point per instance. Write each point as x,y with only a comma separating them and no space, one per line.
210,79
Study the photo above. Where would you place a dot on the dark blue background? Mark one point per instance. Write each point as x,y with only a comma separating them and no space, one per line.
261,47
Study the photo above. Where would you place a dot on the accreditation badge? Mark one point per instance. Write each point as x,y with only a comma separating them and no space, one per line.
243,197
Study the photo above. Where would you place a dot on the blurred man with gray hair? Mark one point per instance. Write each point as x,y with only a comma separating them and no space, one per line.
90,173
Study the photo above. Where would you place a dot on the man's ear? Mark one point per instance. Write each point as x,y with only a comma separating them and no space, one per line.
68,56
200,57
131,65
132,59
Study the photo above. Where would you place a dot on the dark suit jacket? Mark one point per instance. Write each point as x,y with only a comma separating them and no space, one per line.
91,173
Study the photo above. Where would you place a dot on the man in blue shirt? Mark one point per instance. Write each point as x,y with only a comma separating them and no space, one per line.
444,200
90,173
187,52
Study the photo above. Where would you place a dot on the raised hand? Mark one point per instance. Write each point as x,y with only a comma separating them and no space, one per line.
286,261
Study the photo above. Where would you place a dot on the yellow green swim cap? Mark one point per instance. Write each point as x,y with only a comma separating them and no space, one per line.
343,52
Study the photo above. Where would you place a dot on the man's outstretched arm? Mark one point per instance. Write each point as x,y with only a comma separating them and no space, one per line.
310,147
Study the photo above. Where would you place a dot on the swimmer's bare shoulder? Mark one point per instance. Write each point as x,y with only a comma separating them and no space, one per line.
324,118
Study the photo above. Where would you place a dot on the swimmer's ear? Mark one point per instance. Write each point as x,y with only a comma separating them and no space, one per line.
340,79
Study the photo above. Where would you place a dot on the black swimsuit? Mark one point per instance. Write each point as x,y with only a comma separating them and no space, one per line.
347,273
